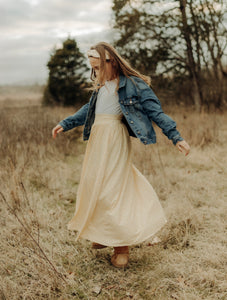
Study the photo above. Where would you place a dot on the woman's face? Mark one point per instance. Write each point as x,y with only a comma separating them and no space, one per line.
95,64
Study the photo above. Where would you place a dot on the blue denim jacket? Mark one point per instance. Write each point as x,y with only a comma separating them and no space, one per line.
139,105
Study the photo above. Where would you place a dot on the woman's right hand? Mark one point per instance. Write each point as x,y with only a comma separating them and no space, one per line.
57,129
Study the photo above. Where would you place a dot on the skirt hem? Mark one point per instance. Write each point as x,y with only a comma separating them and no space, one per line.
102,242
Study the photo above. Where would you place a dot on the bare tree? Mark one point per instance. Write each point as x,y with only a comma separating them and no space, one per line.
183,39
190,57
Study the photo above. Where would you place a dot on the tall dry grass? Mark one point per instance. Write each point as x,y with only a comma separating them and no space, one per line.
39,177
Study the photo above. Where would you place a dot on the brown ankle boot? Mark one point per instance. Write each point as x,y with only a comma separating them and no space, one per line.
120,257
97,246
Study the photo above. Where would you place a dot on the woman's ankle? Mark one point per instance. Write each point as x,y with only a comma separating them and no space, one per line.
121,250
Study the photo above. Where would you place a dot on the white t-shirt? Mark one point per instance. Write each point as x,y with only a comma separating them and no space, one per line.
108,99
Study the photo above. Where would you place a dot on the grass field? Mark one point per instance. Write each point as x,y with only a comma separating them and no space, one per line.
39,176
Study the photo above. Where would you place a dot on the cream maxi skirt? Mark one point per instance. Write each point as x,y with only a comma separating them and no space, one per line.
116,205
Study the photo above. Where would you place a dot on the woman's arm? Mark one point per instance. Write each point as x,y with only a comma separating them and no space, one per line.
70,122
75,120
152,107
166,123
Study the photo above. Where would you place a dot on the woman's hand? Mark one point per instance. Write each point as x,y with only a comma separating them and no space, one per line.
57,129
183,147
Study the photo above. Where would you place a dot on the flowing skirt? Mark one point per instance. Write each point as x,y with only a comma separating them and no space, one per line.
116,205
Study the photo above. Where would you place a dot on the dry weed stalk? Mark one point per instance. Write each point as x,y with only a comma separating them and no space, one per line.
2,295
28,232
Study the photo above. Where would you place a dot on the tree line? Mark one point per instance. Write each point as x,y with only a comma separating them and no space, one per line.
180,44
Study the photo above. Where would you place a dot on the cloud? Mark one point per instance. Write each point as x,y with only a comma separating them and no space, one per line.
31,28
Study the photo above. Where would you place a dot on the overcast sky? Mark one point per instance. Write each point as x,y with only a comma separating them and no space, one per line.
29,29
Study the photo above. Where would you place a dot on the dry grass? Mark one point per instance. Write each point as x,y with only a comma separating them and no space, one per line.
18,96
38,181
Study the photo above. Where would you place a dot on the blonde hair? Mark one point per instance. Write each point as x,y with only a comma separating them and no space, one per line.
119,65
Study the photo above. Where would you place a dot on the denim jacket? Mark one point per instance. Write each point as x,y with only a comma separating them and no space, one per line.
139,105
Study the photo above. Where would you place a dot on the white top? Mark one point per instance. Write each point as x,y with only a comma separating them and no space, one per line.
108,99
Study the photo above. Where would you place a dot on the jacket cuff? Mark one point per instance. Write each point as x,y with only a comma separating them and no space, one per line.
63,125
176,139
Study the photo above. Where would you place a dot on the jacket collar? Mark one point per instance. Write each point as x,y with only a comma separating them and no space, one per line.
122,81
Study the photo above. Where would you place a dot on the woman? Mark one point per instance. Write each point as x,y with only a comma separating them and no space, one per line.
116,205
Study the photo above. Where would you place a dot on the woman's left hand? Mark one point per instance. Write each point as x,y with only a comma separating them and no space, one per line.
183,147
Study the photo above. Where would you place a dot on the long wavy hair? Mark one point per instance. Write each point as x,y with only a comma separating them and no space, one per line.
119,65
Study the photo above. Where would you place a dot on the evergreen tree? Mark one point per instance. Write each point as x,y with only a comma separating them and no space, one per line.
67,82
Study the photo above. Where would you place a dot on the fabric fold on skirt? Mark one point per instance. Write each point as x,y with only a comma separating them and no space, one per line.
116,205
